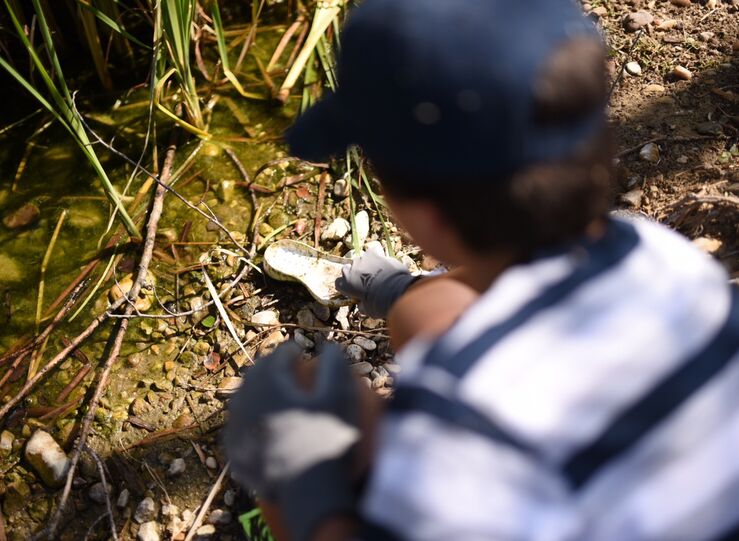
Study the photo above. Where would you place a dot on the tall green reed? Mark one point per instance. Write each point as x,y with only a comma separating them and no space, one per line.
60,102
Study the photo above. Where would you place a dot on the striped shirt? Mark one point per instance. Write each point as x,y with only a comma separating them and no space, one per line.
588,395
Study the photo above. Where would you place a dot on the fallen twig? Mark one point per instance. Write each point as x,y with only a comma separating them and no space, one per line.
662,138
119,332
101,471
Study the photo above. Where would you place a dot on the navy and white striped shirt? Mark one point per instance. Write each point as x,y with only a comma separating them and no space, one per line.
591,395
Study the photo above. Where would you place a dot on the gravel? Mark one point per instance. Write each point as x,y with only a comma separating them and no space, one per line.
177,467
145,511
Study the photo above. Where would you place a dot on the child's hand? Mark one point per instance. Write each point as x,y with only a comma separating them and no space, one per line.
376,281
290,443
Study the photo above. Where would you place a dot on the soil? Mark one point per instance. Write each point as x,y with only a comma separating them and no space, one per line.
166,398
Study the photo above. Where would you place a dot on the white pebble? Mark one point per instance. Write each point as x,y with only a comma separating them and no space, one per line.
229,497
177,466
336,230
148,531
633,68
361,221
220,516
211,463
265,317
47,458
146,511
206,531
342,317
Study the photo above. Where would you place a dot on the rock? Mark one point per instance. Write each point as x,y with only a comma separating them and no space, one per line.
342,317
97,493
321,311
177,467
632,198
139,407
633,68
265,317
710,128
635,21
47,458
379,382
122,500
225,191
682,73
27,215
362,223
211,463
667,24
365,343
228,386
274,339
341,188
124,285
355,353
706,36
306,318
303,341
649,153
145,511
206,531
183,420
337,230
362,369
600,11
170,510
220,516
278,219
148,531
6,442
708,245
682,160
654,89
680,3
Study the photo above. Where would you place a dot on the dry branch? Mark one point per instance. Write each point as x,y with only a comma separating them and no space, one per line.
119,332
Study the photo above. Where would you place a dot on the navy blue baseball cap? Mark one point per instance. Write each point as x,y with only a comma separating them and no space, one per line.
440,87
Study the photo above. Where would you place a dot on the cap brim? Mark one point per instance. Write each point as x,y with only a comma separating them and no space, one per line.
321,132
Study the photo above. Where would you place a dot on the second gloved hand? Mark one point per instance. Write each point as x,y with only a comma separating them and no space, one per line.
294,446
376,281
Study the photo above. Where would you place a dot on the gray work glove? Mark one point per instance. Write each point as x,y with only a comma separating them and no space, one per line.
376,281
294,446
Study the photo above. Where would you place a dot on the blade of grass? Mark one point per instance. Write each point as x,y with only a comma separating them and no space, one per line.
110,23
63,104
44,265
224,314
223,52
324,16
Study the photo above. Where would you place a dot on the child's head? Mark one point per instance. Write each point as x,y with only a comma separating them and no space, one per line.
483,119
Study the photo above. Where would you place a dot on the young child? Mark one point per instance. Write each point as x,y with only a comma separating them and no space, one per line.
573,378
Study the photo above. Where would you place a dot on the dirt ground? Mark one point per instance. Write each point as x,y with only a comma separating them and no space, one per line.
675,117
